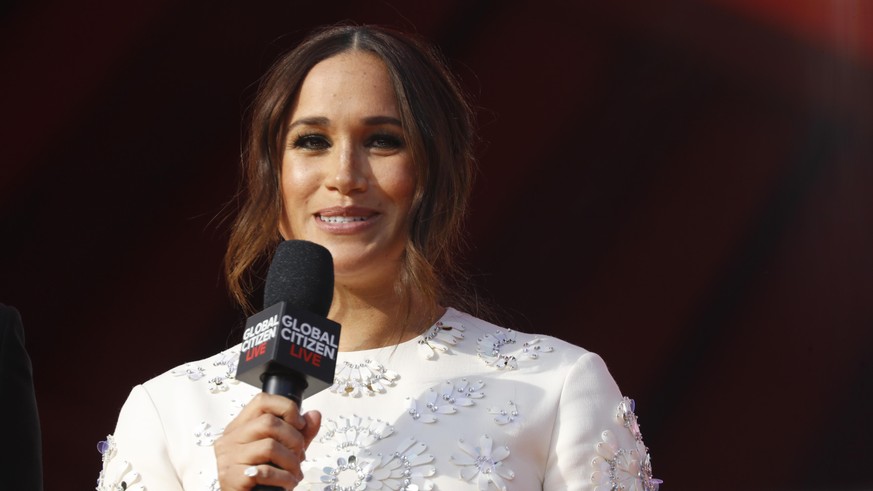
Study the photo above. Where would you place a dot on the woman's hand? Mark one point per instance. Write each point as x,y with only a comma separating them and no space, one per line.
269,430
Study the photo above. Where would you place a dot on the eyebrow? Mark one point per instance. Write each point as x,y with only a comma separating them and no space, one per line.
369,121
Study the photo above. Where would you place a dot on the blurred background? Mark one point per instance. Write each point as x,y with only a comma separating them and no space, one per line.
685,188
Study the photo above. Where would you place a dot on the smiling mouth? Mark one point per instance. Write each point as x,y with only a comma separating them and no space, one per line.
341,219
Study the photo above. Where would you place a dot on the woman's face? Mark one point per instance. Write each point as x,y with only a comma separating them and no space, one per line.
347,175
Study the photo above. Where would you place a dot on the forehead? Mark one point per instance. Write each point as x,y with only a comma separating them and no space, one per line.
351,81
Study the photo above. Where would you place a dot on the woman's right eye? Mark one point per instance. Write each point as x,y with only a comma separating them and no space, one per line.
311,142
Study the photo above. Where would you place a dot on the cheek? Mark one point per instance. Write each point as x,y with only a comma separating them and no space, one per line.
400,185
295,186
297,183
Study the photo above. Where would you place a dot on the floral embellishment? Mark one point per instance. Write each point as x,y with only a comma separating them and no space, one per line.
628,418
407,468
439,337
485,461
356,379
355,433
116,475
621,469
226,366
444,399
497,349
192,371
205,435
618,468
220,375
507,415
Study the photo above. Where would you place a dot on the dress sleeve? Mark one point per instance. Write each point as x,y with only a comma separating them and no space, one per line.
136,457
596,444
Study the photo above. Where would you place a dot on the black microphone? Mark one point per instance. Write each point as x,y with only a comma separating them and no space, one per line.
290,346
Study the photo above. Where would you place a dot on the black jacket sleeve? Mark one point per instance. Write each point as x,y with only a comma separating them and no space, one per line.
20,435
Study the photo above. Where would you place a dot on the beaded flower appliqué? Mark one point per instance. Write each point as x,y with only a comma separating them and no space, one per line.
440,337
354,433
485,461
356,468
444,399
221,375
499,349
621,469
356,379
509,415
407,469
116,475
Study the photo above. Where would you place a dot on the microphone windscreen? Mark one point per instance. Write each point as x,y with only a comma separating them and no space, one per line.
301,274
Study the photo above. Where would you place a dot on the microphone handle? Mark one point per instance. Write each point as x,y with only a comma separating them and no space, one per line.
284,383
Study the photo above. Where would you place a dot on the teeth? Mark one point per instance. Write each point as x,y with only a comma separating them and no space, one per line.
338,219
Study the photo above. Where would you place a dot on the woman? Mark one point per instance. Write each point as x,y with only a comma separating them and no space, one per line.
361,141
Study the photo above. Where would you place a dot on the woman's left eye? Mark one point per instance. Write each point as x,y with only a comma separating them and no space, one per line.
384,141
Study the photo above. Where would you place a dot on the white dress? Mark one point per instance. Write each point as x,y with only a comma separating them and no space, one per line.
466,406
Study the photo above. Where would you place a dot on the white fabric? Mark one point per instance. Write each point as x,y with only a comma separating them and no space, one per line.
564,397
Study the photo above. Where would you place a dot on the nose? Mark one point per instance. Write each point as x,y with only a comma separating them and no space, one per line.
350,172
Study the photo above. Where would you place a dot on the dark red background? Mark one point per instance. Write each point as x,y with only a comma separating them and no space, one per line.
682,187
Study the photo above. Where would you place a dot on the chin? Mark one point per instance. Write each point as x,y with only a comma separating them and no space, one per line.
371,266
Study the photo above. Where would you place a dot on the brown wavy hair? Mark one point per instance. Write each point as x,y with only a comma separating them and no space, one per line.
438,121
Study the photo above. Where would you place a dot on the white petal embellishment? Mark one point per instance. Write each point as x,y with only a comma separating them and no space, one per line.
468,449
464,402
426,351
500,453
416,449
468,473
485,443
497,480
406,443
439,337
610,438
420,459
505,472
461,459
605,450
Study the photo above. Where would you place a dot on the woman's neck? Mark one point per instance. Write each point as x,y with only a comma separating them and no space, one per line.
379,317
